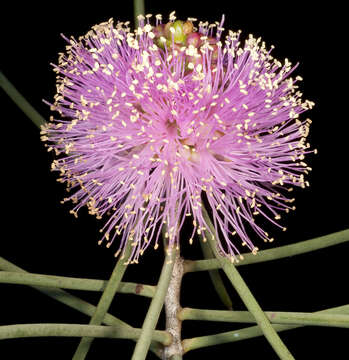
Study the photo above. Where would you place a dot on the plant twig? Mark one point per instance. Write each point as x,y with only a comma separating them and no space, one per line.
176,357
172,307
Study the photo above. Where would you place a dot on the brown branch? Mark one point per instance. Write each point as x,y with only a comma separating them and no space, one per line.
172,308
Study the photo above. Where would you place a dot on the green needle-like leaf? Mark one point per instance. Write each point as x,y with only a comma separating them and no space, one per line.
246,333
75,330
155,307
280,252
76,303
138,9
247,297
20,101
215,276
276,317
105,301
63,282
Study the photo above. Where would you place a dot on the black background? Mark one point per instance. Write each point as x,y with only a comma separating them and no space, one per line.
41,236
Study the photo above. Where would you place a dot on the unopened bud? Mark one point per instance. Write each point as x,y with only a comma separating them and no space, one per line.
175,30
159,30
167,32
193,39
188,27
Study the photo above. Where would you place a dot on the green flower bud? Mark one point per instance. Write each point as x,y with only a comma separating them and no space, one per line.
176,30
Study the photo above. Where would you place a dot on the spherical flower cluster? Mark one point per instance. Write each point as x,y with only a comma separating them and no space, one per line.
157,123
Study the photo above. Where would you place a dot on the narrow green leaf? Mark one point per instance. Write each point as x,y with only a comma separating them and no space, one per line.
138,9
247,297
245,333
275,317
105,302
152,317
215,276
77,304
63,282
20,101
75,330
280,252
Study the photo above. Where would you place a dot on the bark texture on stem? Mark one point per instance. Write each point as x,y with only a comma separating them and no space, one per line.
172,307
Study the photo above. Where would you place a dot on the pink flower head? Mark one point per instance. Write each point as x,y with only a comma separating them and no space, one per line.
156,122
